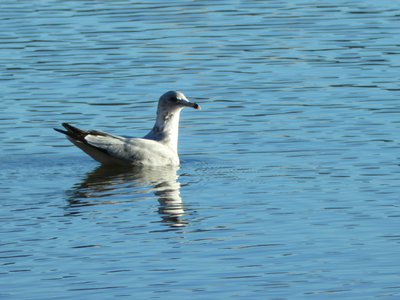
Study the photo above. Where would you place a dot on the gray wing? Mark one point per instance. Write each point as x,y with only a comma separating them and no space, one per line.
112,149
135,150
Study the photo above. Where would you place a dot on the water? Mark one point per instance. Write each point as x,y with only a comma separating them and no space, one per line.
289,183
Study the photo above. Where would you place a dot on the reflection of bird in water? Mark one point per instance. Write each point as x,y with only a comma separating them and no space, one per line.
113,185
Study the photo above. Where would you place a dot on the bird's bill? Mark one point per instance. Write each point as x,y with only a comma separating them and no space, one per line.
190,104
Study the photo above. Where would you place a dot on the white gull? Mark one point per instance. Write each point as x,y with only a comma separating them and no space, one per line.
158,148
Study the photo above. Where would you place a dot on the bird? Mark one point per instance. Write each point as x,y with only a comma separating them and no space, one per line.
157,148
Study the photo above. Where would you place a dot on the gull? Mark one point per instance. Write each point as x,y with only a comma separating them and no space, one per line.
157,148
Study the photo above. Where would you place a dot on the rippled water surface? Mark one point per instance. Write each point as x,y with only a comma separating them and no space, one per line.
290,179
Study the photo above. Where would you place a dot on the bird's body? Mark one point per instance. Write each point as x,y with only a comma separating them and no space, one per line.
158,148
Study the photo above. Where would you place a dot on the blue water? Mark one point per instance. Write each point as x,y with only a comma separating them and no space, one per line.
290,177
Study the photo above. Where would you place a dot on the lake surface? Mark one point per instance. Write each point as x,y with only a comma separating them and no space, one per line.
290,178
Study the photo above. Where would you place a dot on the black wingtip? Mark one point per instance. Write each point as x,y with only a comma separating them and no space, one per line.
70,129
61,131
73,132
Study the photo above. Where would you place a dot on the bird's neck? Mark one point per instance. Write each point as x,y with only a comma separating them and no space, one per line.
166,129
